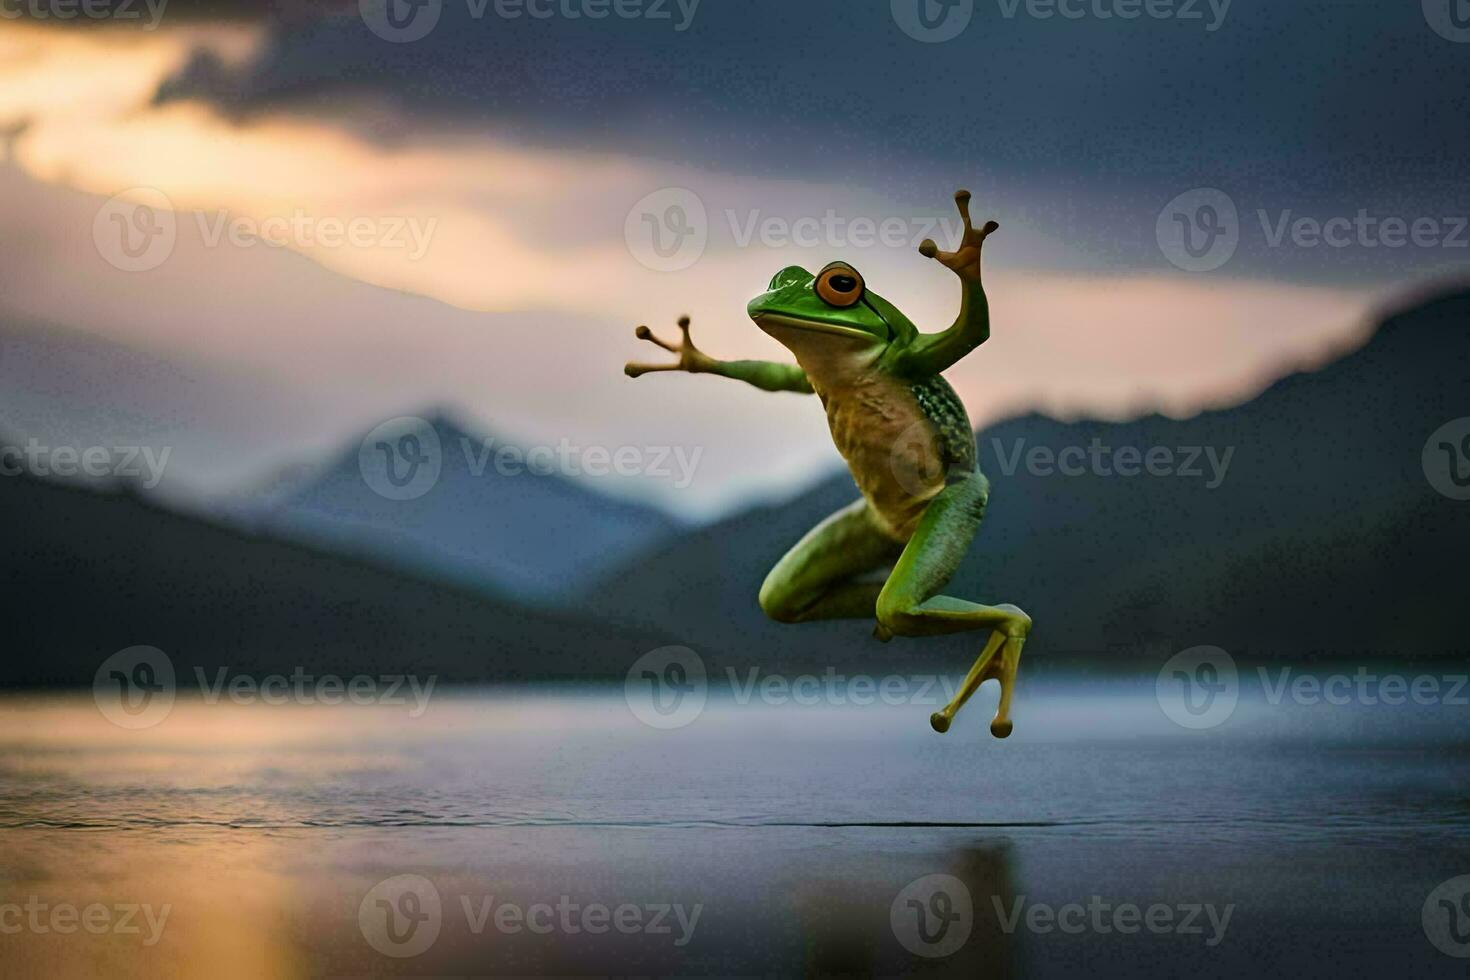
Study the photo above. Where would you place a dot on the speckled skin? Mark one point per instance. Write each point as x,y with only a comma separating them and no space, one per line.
908,444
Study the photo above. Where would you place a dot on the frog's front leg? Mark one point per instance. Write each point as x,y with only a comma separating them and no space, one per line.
932,353
766,375
910,603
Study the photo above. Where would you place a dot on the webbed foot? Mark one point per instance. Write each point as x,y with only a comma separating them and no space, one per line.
999,660
691,358
965,262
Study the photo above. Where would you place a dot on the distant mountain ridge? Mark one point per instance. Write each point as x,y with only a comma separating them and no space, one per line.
517,530
91,572
1324,535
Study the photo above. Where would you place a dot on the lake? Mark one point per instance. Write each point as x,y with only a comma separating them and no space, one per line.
549,831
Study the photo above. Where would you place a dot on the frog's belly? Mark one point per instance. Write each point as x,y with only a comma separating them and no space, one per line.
894,451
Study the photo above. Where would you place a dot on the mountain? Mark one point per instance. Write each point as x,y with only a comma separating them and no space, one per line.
88,572
1324,534
473,516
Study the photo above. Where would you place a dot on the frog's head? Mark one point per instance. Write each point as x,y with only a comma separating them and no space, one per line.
834,308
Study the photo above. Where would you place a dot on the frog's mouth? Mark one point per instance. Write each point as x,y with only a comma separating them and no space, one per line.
768,320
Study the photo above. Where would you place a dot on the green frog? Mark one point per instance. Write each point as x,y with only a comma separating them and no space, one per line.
908,443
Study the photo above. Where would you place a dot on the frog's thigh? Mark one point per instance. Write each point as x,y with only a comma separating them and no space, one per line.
910,603
814,579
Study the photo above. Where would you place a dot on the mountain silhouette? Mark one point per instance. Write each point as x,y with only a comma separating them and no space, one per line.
1322,535
486,521
88,572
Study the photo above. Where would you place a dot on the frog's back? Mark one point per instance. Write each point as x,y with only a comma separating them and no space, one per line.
903,441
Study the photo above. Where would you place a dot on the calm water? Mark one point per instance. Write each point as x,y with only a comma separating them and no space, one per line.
552,833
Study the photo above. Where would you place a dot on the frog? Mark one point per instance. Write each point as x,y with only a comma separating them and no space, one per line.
909,447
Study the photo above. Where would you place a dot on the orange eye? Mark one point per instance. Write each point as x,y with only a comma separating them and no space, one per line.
840,285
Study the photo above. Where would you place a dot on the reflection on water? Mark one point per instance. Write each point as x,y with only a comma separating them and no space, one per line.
542,832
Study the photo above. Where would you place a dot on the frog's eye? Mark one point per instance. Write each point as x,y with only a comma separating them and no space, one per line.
840,285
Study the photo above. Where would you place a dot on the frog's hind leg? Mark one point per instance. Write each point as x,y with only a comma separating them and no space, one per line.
820,577
910,604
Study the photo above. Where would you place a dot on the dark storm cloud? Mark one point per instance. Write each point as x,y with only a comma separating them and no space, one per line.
1300,94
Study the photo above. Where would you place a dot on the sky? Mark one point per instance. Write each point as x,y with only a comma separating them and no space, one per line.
354,211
